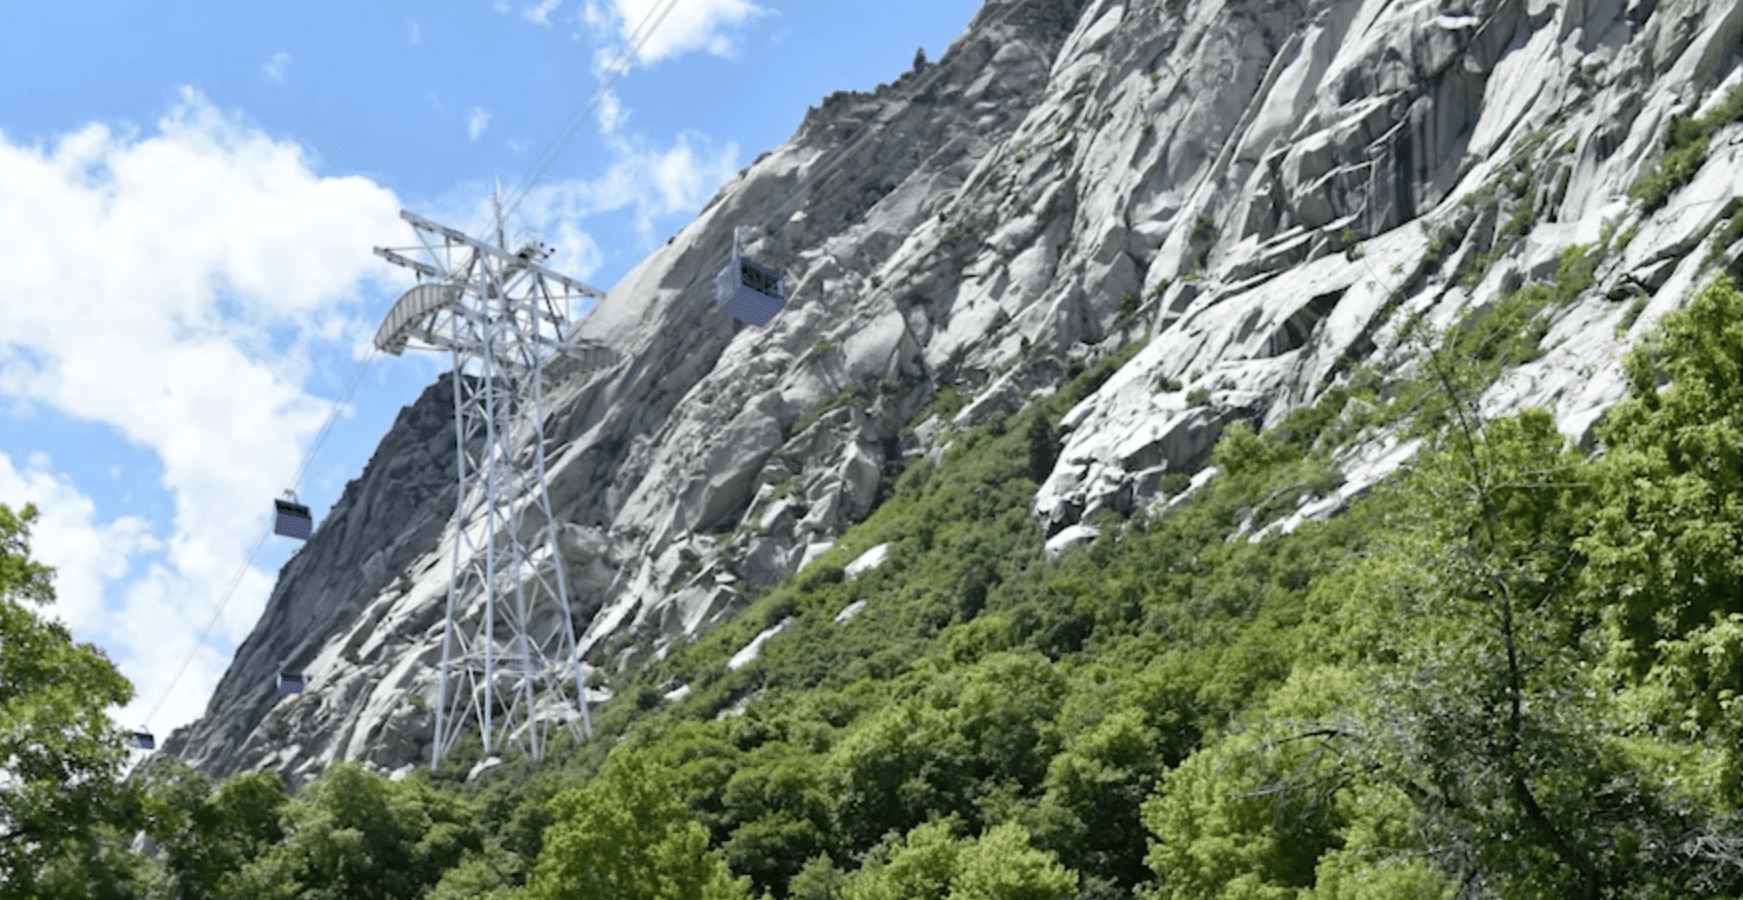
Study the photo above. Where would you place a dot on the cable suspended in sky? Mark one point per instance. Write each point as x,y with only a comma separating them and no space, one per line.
248,563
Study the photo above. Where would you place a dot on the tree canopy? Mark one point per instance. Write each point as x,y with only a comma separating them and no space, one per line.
627,835
1513,669
62,808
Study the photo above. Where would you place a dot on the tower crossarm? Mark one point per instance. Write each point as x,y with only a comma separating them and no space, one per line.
515,260
422,268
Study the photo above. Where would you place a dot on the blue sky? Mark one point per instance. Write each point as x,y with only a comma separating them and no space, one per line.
189,193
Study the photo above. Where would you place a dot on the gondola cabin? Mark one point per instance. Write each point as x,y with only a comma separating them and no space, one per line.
290,682
144,741
748,290
293,519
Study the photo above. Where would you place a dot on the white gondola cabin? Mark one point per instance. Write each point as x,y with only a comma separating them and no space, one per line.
290,682
293,518
748,290
144,741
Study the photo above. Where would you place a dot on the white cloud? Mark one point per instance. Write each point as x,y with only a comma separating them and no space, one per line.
653,181
415,34
537,12
648,181
557,223
662,31
684,178
540,13
689,25
611,112
477,120
211,236
277,68
86,555
156,624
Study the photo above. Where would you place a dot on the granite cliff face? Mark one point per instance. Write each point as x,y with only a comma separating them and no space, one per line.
1263,190
382,522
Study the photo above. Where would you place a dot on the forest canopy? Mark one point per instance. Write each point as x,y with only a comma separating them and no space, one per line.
1513,669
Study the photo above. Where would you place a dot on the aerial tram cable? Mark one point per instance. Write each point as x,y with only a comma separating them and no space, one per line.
841,158
143,738
744,275
579,116
746,289
291,517
505,206
754,292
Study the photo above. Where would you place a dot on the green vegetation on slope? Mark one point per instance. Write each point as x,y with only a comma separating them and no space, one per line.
1511,670
1686,142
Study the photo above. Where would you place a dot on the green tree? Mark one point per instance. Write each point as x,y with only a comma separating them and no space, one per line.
779,810
1484,715
1098,783
1520,584
931,863
488,874
101,867
973,732
899,766
1250,814
700,760
65,818
355,835
1664,571
1380,850
818,879
208,835
1001,865
1005,710
1666,547
627,836
918,866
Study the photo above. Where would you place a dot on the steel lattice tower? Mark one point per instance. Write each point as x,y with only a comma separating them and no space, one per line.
515,667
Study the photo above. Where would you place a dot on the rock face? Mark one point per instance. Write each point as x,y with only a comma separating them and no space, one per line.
1267,189
382,522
